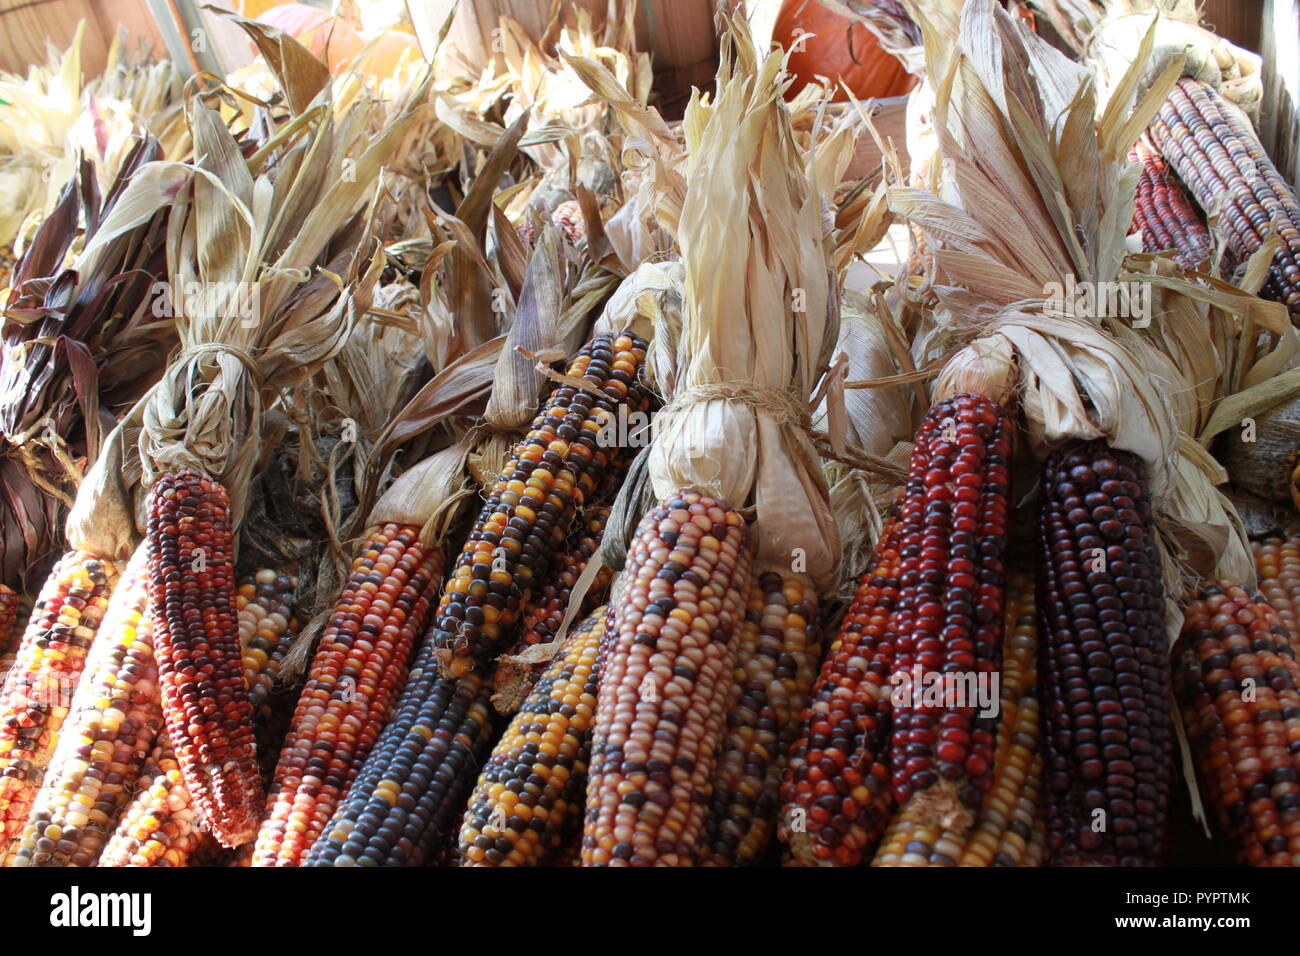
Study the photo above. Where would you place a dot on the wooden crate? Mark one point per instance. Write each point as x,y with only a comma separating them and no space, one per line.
29,28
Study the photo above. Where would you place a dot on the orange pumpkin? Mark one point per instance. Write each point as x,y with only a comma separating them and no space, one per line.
840,49
329,38
383,52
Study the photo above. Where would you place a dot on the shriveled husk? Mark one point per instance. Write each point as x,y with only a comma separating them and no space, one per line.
1114,40
753,245
270,268
1043,198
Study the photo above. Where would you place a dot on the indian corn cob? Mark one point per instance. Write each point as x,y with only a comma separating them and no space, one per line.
1241,710
666,676
1009,830
159,827
38,689
777,659
953,524
1164,213
1219,156
8,618
264,606
196,639
835,796
102,747
1277,565
512,680
1104,665
411,788
355,676
551,474
529,797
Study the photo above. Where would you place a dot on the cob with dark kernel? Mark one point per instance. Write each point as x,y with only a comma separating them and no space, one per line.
835,796
513,679
778,653
529,797
1164,212
355,676
410,789
666,675
521,528
38,689
115,717
1218,155
953,524
1241,710
1104,663
1009,830
196,640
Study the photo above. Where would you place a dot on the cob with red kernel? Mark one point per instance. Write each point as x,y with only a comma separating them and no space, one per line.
196,638
1008,831
36,696
1215,150
160,826
354,678
8,618
836,795
952,535
1235,681
1164,213
529,797
1105,661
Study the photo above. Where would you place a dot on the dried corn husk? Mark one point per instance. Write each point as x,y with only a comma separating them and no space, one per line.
754,249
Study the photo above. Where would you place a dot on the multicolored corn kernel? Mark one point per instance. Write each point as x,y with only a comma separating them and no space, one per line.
38,689
521,528
196,640
264,609
952,532
567,215
530,796
115,716
1104,661
666,675
8,617
1241,711
160,826
513,680
1277,566
355,676
835,795
1163,211
778,655
1009,827
1221,159
413,785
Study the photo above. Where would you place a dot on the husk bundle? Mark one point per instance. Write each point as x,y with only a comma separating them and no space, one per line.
760,318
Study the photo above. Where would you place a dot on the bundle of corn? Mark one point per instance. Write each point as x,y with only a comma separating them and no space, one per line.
81,343
1164,213
261,302
516,537
1009,830
669,666
528,802
1087,385
1236,679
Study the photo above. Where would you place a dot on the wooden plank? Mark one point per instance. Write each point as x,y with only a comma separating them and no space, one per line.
30,26
134,18
1279,114
1238,20
889,117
